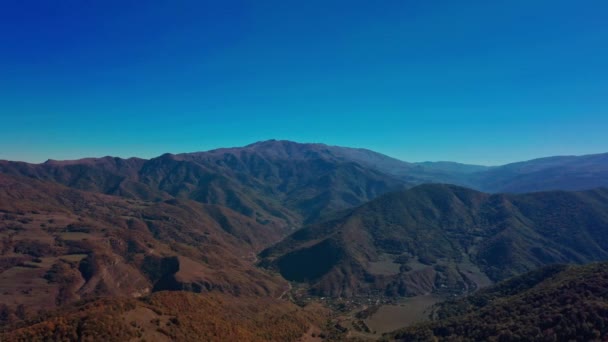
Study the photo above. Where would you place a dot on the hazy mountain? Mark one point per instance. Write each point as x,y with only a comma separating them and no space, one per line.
443,238
447,167
554,303
553,173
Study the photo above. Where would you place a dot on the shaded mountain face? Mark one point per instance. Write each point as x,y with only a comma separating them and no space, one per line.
276,182
443,239
59,245
553,303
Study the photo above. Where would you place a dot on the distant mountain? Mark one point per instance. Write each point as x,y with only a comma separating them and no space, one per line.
444,239
543,174
553,173
556,303
447,167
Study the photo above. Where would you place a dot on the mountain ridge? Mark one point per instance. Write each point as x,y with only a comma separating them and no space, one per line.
269,182
448,233
568,172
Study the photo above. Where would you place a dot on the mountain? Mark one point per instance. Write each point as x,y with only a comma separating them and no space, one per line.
292,183
543,174
93,227
310,180
60,245
257,194
281,182
564,303
552,173
173,316
443,239
411,173
447,167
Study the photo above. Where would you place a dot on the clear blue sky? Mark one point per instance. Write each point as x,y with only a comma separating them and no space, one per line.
473,81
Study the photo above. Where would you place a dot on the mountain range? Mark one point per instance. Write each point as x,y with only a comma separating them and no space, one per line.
282,169
274,218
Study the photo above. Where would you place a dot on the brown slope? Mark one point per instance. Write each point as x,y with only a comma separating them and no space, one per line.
60,244
174,316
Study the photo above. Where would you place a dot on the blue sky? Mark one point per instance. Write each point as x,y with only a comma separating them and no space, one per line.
485,82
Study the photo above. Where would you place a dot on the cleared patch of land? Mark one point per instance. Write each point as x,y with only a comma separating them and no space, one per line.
73,257
384,267
474,274
410,311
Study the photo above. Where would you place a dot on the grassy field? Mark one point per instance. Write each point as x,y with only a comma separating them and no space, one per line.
410,311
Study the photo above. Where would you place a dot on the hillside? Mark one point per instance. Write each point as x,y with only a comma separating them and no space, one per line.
59,245
442,239
555,303
173,316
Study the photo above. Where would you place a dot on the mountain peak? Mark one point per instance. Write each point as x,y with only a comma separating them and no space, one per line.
274,143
